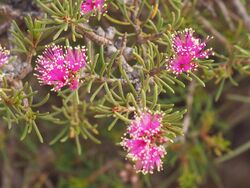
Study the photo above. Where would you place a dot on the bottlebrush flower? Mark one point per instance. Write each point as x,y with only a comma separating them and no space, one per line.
188,49
4,56
146,124
59,66
145,142
91,5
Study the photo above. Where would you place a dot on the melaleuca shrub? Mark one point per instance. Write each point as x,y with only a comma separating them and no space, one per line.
133,64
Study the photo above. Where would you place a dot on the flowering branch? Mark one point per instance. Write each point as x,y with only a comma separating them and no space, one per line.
132,72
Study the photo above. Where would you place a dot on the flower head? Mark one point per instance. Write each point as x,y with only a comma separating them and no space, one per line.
144,145
145,124
61,67
187,48
4,56
90,5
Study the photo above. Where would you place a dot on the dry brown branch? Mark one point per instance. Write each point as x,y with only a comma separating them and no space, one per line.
208,26
10,13
225,13
102,170
240,8
93,36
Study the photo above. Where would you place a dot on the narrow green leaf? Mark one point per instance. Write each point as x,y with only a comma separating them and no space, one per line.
78,145
143,98
121,117
96,92
219,91
37,132
113,124
198,79
59,136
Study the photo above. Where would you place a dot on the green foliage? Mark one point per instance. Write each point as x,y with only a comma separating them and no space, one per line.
74,122
188,179
18,106
125,75
28,43
63,16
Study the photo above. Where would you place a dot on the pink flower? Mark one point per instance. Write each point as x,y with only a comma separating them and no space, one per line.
144,145
147,123
90,5
187,50
61,67
4,56
150,158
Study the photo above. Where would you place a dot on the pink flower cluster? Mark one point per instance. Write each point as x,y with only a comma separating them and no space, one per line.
89,6
61,66
4,56
187,48
145,142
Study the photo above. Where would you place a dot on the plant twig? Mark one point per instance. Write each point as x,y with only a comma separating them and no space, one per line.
241,149
93,36
189,102
225,13
213,31
240,8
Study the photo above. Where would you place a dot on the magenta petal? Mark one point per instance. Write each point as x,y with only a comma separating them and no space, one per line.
90,5
4,56
187,49
59,67
135,146
147,123
87,6
144,145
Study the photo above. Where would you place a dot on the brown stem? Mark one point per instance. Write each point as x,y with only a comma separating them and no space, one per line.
240,8
213,31
157,70
225,13
93,36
